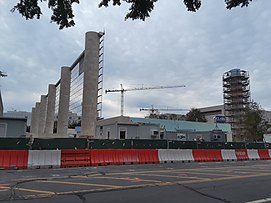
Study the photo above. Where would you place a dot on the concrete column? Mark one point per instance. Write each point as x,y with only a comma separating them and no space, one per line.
42,118
64,101
90,86
35,119
51,100
33,125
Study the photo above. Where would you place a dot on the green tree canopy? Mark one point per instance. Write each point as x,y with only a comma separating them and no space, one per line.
139,9
255,124
195,115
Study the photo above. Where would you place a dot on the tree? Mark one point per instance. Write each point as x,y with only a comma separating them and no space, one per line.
195,115
140,9
254,123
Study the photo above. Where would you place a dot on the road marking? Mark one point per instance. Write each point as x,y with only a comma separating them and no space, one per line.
260,200
130,179
4,188
76,183
170,176
211,174
36,191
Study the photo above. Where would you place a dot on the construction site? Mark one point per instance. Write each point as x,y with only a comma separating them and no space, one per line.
73,107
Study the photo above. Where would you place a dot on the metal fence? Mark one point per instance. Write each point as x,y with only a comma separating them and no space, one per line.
75,143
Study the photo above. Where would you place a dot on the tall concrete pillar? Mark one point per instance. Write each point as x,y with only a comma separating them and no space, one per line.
90,86
36,119
64,101
42,118
51,100
33,125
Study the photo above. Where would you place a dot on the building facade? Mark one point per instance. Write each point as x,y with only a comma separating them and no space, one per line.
12,127
123,127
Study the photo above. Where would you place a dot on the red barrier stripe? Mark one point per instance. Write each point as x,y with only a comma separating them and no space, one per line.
207,155
148,156
241,154
13,159
264,154
127,156
74,158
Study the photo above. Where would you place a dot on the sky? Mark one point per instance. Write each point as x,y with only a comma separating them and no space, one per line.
172,47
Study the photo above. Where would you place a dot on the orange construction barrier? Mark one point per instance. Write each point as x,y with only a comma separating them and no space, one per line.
74,158
202,155
102,157
264,154
148,156
13,159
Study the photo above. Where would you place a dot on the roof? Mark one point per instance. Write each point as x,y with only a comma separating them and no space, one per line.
175,125
13,118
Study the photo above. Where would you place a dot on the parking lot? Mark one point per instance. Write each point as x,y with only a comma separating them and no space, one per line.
192,182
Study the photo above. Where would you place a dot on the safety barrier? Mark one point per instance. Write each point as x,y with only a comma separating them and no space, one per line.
44,159
175,155
228,154
207,155
74,158
13,159
241,154
129,156
264,154
148,156
253,154
23,159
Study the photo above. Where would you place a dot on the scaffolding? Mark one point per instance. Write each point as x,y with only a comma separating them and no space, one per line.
236,93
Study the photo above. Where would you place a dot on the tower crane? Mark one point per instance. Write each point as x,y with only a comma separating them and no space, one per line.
122,90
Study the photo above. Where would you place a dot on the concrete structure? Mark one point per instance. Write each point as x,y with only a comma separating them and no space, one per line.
236,94
90,86
12,127
144,128
42,118
35,120
86,76
64,101
51,99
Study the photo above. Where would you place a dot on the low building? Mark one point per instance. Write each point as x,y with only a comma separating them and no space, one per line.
12,127
123,127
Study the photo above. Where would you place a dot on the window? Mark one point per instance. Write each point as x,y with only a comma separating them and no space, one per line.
122,135
3,129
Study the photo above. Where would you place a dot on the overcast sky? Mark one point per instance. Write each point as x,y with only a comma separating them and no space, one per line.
172,47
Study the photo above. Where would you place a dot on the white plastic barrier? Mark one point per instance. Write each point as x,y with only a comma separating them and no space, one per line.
228,155
175,155
253,154
269,151
44,158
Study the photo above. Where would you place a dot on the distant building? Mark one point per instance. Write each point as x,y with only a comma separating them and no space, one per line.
19,114
211,112
12,127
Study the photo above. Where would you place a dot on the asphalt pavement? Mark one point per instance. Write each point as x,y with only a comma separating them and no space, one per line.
246,181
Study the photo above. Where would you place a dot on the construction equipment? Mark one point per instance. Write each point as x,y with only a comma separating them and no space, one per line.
3,74
122,90
154,112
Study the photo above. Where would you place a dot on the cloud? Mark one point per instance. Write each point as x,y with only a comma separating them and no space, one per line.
172,47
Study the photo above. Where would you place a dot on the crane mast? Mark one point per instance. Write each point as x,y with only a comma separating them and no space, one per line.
122,90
